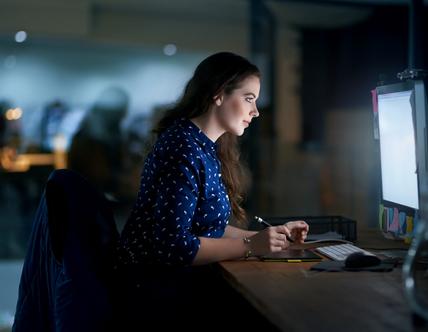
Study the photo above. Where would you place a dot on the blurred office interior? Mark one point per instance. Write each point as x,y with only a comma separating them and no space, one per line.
82,82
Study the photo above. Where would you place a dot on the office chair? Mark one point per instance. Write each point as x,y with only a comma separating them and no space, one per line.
68,273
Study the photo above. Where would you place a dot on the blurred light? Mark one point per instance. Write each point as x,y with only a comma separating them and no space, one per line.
10,62
13,113
20,36
170,49
60,155
59,142
6,319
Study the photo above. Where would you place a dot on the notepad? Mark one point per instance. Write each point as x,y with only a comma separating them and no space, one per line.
292,256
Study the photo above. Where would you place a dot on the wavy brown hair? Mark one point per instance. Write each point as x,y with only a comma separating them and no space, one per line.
220,72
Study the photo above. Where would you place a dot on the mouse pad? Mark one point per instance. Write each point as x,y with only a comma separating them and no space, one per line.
337,266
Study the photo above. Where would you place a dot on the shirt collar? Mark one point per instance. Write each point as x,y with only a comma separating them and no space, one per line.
198,134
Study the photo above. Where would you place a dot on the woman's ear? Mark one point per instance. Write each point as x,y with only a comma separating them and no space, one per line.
218,100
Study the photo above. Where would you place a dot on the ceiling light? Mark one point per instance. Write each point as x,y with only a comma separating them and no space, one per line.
20,36
170,49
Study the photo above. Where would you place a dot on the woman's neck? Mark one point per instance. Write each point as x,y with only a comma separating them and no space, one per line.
209,125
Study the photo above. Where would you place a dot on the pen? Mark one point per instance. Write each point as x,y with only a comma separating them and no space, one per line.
260,220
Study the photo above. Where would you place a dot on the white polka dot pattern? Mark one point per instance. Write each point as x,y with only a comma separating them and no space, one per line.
181,197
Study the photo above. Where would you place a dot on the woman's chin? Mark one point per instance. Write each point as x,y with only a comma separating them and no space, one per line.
237,131
240,132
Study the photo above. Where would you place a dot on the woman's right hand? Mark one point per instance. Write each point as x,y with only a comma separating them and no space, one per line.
271,239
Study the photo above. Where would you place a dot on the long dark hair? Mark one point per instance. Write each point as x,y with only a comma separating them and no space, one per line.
220,72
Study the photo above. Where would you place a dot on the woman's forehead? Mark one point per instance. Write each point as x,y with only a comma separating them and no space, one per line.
250,84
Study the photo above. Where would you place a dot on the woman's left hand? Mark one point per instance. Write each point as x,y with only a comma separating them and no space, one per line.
299,230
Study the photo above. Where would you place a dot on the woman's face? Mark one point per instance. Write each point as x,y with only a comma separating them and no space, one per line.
236,110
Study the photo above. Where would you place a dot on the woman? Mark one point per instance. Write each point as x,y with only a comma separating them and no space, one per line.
192,184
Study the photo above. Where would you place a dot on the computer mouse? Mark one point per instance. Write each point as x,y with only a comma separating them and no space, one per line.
360,259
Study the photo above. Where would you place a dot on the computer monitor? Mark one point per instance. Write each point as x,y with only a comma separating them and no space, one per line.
400,111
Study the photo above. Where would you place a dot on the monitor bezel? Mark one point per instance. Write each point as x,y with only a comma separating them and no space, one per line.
419,106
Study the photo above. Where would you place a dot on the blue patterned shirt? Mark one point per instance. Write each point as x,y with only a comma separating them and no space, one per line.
181,197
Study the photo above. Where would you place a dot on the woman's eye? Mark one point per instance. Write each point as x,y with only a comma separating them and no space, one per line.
249,99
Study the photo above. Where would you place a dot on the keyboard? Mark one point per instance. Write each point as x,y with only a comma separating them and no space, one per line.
339,252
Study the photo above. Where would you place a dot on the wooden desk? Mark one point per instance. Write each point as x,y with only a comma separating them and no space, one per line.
294,298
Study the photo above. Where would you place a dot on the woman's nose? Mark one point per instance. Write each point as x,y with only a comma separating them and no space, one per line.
255,112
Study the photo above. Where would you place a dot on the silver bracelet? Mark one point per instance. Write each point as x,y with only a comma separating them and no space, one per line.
247,242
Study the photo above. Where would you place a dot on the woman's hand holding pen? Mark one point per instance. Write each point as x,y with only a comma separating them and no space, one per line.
277,238
271,239
298,229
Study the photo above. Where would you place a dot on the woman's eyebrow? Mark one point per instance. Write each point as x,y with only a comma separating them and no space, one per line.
250,94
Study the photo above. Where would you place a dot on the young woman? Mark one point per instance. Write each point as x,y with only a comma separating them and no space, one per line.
191,186
191,183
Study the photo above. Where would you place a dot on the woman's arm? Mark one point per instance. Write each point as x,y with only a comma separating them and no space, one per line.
235,232
220,249
271,239
232,246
